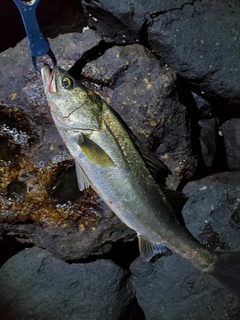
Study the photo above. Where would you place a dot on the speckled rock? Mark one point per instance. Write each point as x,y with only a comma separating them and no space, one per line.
35,285
199,39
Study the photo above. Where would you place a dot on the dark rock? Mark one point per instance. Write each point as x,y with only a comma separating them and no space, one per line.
211,212
35,285
209,140
206,57
176,290
39,198
204,108
231,136
172,288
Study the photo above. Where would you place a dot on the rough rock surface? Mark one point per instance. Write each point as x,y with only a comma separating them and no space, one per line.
212,211
39,198
231,136
35,285
209,140
172,288
206,57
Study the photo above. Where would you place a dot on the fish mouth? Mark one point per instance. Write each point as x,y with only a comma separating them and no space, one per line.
49,79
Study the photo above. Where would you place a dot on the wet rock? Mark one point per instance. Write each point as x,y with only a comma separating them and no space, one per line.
207,58
39,198
171,287
231,136
35,285
209,140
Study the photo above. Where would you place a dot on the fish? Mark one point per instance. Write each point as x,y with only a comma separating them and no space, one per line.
110,159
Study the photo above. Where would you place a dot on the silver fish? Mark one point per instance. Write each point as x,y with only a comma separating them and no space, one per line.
110,159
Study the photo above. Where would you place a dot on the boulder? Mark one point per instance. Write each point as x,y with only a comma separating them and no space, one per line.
35,285
198,39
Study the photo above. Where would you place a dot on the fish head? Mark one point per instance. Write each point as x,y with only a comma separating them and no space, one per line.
72,105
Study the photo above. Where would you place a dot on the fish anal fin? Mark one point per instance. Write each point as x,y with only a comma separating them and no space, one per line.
83,182
94,152
149,249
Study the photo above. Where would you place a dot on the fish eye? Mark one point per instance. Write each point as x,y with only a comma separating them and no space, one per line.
67,83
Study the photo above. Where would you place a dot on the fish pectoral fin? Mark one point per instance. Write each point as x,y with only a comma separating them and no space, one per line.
94,152
149,249
82,179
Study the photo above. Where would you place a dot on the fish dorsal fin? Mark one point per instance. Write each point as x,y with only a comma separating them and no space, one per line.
149,249
156,167
176,198
83,182
94,152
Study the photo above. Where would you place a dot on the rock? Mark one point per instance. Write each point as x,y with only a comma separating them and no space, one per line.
175,290
231,136
39,198
211,212
204,108
35,285
171,287
207,58
209,140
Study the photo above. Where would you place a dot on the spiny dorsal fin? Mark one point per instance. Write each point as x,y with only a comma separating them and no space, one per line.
94,152
149,249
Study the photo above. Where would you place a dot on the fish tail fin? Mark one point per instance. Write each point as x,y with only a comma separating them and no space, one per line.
226,270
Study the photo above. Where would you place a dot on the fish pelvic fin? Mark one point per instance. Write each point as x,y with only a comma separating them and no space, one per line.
149,249
82,179
94,152
226,270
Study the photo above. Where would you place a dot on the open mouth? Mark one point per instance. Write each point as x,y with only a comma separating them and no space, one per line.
48,77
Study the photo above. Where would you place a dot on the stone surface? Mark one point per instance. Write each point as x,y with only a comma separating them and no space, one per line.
171,287
211,212
35,285
231,136
209,140
206,57
39,197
